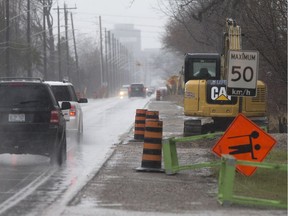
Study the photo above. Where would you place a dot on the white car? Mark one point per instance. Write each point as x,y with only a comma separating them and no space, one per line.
64,91
123,92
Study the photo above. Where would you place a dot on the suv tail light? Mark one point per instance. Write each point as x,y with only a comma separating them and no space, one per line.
54,117
72,111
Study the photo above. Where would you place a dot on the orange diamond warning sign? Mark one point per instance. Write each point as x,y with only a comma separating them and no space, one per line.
245,141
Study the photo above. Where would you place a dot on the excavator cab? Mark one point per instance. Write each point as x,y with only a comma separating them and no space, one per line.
201,66
207,106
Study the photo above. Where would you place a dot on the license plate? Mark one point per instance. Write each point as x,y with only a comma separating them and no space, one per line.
16,117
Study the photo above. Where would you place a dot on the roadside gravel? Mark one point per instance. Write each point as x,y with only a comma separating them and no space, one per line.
119,188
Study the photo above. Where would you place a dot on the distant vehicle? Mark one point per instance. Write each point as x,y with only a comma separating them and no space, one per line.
123,92
137,90
64,91
31,121
125,86
150,91
163,90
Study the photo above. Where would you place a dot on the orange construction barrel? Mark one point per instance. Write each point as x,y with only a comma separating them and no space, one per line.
152,147
152,115
158,95
139,127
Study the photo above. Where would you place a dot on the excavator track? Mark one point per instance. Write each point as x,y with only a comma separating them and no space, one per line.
192,127
195,127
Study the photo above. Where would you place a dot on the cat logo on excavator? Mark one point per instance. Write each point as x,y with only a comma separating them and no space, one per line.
217,94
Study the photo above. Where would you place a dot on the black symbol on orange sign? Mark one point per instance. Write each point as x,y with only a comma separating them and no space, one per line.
245,148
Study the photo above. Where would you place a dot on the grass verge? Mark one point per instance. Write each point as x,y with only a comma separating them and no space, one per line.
265,183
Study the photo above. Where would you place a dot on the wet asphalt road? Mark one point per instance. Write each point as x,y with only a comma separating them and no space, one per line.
30,186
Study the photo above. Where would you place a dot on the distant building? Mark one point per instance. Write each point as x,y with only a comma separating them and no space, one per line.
129,37
142,67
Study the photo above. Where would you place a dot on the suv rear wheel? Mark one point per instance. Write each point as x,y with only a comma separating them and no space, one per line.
59,156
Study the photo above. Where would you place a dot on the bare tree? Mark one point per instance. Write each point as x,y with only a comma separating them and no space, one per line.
50,38
202,22
18,45
89,60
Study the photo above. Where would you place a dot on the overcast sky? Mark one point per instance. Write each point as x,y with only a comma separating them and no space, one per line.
144,14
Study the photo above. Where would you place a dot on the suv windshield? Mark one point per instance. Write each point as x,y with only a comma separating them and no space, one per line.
137,85
64,93
20,94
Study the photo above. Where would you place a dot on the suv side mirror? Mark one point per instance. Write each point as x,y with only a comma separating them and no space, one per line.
65,105
83,100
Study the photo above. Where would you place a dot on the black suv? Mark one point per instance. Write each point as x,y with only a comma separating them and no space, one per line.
31,121
137,90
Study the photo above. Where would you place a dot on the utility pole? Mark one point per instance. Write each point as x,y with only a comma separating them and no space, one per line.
59,39
113,63
106,62
67,42
59,46
101,53
7,72
76,55
29,72
118,69
109,65
44,40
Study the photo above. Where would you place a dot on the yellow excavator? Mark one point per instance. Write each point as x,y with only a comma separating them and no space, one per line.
207,106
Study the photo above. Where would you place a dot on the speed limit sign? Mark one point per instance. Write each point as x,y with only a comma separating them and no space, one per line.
242,73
